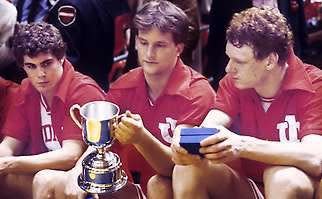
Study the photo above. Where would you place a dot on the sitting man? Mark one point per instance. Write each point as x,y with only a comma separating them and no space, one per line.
161,94
38,132
271,103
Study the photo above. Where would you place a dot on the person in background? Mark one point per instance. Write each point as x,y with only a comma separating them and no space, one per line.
87,27
31,10
161,95
220,15
268,111
8,67
293,10
39,132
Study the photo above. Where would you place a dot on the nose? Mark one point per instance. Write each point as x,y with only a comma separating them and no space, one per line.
41,72
150,52
229,68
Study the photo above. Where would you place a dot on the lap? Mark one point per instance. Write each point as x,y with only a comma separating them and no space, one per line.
220,180
16,186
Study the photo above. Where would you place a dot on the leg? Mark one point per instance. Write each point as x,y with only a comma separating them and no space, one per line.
295,183
160,187
209,180
16,186
319,191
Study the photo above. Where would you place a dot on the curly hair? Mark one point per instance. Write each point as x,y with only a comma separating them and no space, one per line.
34,38
264,29
165,16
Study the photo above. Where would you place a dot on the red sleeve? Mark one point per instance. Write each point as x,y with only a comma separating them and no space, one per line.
310,111
7,92
227,97
81,96
16,124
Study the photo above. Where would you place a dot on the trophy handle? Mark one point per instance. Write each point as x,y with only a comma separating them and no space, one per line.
116,121
72,114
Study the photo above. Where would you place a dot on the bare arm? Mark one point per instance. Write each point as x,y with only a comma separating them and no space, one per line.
216,117
157,154
131,131
10,146
62,159
305,155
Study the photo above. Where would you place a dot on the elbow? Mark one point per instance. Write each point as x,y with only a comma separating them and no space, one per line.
319,168
70,161
316,167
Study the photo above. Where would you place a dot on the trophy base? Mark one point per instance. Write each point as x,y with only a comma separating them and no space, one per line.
91,187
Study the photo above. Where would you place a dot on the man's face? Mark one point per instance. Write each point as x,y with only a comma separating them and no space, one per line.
44,71
245,69
157,52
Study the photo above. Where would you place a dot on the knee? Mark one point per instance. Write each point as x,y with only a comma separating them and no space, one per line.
289,182
43,185
42,179
319,191
159,187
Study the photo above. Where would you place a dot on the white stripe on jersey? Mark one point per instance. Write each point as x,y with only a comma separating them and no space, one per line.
48,134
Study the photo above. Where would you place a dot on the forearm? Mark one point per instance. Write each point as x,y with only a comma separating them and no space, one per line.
156,154
5,151
216,117
301,155
61,159
77,169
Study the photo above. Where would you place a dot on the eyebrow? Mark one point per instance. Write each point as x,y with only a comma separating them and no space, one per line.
47,60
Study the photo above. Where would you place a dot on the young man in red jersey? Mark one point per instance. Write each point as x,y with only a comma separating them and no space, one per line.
160,96
39,132
268,112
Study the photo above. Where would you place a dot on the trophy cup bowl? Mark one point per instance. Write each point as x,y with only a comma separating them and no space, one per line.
102,170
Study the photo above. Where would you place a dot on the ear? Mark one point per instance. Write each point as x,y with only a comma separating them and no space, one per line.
136,43
272,61
180,47
62,60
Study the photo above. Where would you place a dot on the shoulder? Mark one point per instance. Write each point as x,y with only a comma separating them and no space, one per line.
315,75
195,87
82,83
130,79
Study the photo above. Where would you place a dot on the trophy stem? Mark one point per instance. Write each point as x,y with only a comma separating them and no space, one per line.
101,153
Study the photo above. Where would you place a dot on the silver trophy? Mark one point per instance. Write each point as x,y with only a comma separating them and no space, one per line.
102,172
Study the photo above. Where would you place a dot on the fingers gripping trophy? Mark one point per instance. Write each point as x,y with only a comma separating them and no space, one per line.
102,172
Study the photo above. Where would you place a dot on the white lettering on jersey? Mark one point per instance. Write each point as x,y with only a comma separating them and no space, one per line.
48,134
164,128
293,127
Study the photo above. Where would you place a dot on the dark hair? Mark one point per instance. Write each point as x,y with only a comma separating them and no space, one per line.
264,29
164,16
34,38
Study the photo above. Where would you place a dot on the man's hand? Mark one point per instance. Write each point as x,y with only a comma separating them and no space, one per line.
222,147
6,164
181,156
130,129
72,190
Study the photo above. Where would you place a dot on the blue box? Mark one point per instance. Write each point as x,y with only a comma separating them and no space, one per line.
190,138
